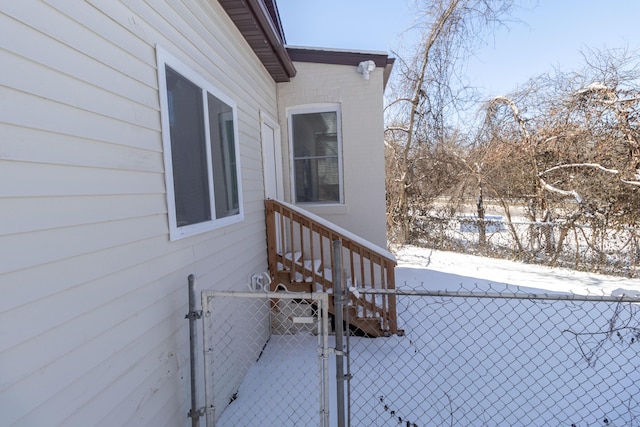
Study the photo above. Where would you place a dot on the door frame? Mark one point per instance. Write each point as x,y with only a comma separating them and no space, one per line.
271,157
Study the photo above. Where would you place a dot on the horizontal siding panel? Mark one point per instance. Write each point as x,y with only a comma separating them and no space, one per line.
35,79
86,243
253,151
19,179
167,415
103,304
236,238
257,194
24,286
30,145
21,251
217,52
125,410
110,332
199,17
158,389
56,25
43,114
87,15
25,214
252,172
225,277
151,358
223,274
40,48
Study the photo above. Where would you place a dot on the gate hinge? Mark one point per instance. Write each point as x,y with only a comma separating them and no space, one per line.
345,377
332,350
199,413
193,315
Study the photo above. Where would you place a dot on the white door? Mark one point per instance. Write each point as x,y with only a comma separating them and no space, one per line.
271,158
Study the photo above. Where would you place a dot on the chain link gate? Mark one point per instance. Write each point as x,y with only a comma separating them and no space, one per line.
266,359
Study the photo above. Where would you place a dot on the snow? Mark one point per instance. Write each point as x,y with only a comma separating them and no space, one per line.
438,270
465,362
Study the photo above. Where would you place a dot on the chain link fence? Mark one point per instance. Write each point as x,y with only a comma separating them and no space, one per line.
266,359
465,358
476,358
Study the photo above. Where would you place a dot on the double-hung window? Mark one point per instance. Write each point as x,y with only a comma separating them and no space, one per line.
317,154
200,139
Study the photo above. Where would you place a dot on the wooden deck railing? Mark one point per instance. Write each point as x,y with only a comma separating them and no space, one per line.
300,258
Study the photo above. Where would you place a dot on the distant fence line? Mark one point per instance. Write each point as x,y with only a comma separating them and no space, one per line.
577,246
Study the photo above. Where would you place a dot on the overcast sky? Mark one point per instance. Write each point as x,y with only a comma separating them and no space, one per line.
551,33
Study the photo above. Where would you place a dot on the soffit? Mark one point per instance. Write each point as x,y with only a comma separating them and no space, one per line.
259,23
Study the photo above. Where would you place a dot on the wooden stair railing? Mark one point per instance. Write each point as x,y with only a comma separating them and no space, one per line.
300,257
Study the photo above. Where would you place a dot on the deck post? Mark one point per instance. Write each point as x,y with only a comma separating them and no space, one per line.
271,241
391,285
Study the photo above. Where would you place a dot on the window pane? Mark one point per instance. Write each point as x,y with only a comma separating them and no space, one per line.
188,150
316,157
223,157
315,134
317,180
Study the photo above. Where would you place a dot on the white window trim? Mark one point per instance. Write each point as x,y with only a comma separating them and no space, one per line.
315,108
164,58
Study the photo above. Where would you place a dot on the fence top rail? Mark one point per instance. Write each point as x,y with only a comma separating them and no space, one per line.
501,295
267,295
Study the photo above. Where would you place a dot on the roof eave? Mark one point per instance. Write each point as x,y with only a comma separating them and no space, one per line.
266,38
342,57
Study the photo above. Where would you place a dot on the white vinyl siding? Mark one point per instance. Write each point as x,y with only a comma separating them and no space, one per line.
94,293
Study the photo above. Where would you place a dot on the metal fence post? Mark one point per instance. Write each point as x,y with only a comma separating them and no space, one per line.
338,301
195,413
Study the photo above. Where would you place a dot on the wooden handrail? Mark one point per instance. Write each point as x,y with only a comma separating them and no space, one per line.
299,244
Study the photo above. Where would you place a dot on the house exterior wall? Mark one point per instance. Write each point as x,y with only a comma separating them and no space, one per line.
94,295
361,104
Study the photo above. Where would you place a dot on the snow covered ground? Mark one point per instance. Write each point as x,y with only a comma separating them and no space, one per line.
437,270
468,362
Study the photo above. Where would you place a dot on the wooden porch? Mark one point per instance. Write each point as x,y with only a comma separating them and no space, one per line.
300,259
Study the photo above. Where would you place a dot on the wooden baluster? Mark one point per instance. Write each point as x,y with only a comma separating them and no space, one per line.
292,245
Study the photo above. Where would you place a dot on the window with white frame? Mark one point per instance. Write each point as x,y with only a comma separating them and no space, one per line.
200,138
316,148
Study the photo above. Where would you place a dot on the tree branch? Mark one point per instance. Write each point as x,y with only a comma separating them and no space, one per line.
553,189
580,165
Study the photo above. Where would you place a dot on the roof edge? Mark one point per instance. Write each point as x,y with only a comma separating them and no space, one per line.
335,56
259,23
273,34
342,57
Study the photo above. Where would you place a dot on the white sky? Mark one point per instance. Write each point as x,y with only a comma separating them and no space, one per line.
551,34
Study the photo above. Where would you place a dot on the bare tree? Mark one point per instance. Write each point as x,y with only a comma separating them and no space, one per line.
429,91
576,137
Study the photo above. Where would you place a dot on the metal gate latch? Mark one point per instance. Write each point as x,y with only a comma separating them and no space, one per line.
193,315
